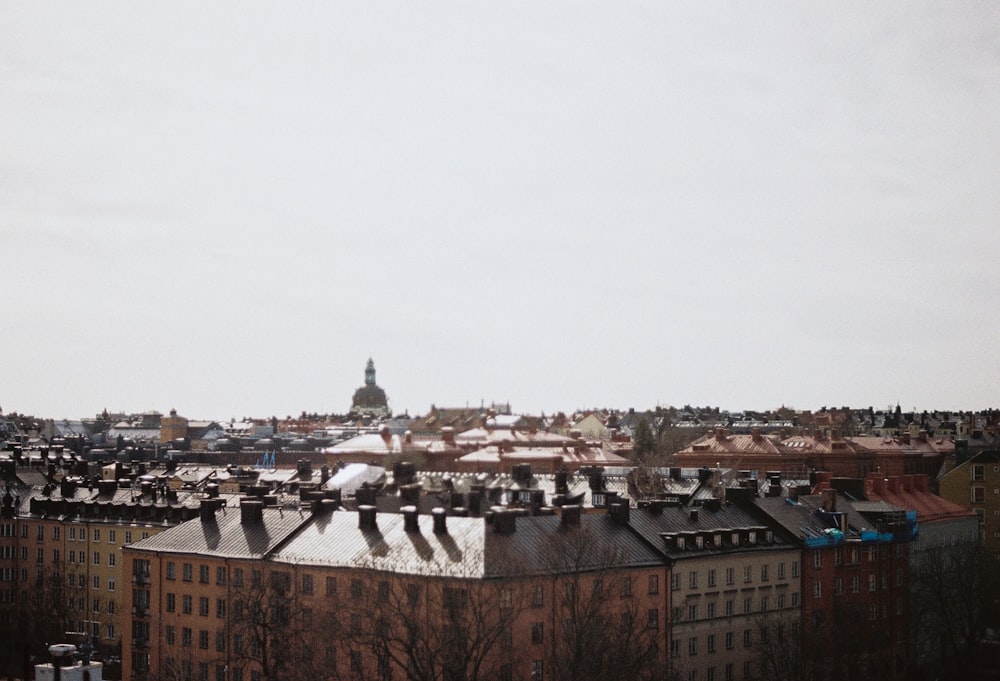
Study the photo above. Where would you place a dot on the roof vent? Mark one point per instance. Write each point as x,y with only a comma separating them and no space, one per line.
410,523
440,520
367,517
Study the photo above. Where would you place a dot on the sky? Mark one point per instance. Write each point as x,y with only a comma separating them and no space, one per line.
227,208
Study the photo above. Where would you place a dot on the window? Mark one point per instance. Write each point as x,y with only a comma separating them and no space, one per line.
654,584
220,575
653,619
710,643
675,647
97,558
710,607
817,559
112,536
220,607
537,596
626,589
187,572
781,570
97,581
97,535
978,495
128,536
537,670
978,472
356,588
795,568
764,573
693,580
331,586
186,604
41,533
72,533
747,638
838,588
817,589
203,606
747,574
693,612
871,582
96,606
765,603
730,576
855,584
186,636
781,601
307,584
710,674
203,574
536,632
203,639
171,602
711,578
675,581
795,599
171,634
111,559
237,576
693,645
55,532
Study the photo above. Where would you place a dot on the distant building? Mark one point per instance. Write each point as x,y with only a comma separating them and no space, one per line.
370,400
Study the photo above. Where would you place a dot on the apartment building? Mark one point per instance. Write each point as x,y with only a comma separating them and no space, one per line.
735,582
367,595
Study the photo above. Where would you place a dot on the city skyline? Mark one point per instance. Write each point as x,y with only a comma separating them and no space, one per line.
227,210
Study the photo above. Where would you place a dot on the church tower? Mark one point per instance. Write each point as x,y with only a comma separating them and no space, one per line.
370,400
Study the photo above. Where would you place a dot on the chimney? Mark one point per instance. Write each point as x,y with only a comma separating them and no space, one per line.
570,515
207,509
410,523
755,434
562,481
367,517
251,512
385,435
410,494
212,490
408,437
504,521
830,500
694,515
324,474
440,520
475,503
448,435
619,511
365,495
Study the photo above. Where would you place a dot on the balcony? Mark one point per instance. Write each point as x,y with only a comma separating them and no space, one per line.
140,579
140,643
140,611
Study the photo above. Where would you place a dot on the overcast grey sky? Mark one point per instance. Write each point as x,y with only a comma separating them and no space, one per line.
226,208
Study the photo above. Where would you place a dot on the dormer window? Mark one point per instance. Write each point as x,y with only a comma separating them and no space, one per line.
699,541
768,536
718,539
752,537
735,538
681,543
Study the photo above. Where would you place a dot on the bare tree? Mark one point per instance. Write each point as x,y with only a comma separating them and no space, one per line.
604,630
272,629
429,627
